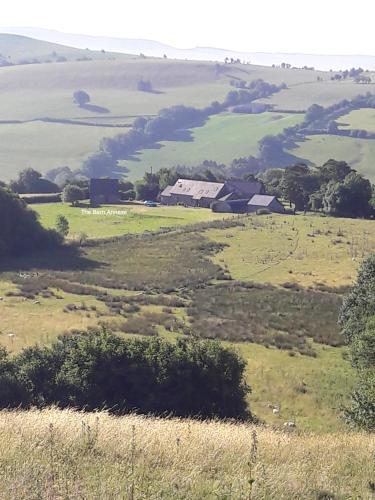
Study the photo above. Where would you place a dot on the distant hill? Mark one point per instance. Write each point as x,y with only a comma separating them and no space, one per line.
157,49
18,49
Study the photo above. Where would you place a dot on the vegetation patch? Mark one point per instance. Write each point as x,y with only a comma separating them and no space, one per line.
272,316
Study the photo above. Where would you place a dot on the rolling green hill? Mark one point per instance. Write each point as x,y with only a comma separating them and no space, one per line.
359,153
223,138
33,93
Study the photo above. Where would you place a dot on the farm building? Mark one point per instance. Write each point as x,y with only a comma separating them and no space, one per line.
104,191
259,201
202,194
256,202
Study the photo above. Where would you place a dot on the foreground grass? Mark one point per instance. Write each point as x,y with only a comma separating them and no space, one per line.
131,218
65,454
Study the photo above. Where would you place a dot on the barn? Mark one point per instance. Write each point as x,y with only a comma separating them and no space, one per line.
104,191
192,193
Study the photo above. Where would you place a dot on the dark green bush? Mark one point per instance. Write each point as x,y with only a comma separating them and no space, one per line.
97,369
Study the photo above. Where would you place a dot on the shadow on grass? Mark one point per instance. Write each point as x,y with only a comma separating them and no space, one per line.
65,258
94,109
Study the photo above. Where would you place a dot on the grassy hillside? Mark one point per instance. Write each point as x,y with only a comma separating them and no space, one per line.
363,119
39,145
223,138
67,454
39,91
359,153
307,250
18,49
300,95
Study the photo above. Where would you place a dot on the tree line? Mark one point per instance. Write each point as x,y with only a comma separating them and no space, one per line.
333,188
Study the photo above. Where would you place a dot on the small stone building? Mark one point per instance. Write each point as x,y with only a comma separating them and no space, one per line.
265,201
104,191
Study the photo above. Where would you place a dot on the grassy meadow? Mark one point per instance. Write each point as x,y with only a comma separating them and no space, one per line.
301,94
130,218
363,119
270,286
358,153
66,454
39,145
306,250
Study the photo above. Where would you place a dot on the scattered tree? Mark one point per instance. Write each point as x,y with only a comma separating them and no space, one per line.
62,226
73,194
81,97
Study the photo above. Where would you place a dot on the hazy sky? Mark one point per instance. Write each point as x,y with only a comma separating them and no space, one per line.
315,26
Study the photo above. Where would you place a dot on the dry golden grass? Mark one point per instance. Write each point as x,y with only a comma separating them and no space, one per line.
65,454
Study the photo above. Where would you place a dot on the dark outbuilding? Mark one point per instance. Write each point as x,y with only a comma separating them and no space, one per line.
104,191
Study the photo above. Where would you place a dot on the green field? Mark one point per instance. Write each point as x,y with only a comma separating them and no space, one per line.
301,95
134,218
358,153
223,138
43,146
307,250
363,119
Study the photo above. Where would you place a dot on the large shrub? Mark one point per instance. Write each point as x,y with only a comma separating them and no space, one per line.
20,230
98,369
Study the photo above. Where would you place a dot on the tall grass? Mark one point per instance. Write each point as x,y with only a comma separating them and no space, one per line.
65,454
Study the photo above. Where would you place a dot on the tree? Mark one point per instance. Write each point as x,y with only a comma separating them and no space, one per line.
31,181
72,194
297,184
148,188
350,197
357,318
271,179
100,164
270,148
144,85
62,226
334,170
81,97
20,230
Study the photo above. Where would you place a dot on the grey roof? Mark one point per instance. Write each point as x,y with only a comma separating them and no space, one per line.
167,191
103,186
262,200
197,189
245,188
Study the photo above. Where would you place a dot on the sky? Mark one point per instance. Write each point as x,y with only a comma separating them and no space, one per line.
316,27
